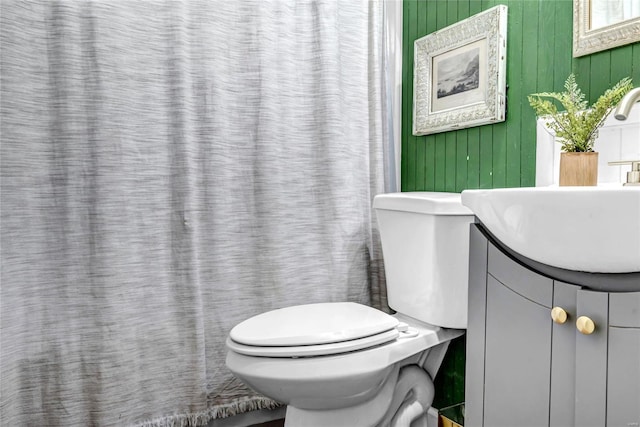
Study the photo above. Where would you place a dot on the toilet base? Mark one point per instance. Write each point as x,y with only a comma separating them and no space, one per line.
402,401
368,413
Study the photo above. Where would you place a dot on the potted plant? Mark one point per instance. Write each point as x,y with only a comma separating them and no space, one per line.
577,127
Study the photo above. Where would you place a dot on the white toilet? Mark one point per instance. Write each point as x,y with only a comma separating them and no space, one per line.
346,364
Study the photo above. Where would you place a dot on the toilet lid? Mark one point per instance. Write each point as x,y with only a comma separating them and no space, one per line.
313,324
431,203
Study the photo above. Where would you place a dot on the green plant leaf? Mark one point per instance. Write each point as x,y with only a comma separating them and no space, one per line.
577,127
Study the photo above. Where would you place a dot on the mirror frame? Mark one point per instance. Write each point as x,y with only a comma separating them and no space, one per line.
587,41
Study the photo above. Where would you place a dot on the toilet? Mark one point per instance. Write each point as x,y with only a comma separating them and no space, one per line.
347,364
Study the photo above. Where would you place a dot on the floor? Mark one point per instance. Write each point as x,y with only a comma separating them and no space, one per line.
274,423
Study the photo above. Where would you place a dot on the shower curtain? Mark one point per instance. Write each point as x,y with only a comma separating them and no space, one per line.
169,169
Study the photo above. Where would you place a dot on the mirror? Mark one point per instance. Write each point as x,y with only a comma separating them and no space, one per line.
604,24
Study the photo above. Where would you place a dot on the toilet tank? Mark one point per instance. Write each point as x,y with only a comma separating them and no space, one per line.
425,245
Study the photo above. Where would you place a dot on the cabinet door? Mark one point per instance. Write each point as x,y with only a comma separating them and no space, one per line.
608,360
591,361
474,370
623,380
563,358
518,359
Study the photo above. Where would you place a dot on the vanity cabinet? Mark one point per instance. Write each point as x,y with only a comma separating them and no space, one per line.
524,369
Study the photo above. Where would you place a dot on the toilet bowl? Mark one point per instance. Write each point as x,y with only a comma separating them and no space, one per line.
347,364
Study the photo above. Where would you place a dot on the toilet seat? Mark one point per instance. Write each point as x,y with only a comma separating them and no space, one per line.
313,330
314,350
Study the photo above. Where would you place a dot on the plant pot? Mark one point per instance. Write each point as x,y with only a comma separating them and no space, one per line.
578,169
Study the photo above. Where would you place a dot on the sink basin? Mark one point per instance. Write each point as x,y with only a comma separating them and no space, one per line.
589,229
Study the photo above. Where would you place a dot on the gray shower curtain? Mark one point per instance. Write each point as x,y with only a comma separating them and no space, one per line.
168,169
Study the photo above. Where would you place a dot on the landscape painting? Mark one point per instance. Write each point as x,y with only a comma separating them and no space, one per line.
459,77
459,73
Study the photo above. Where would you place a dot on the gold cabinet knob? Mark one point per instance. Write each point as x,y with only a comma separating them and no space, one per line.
585,325
558,315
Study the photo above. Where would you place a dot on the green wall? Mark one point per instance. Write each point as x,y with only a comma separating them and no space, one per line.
539,59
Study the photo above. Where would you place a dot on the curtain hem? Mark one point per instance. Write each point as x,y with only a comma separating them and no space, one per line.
219,411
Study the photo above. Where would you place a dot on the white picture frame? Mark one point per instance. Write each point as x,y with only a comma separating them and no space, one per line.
459,78
587,40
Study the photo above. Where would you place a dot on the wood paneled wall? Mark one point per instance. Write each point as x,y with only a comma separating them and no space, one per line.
539,58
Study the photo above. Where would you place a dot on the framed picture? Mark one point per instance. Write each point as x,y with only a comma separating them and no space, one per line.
459,78
604,24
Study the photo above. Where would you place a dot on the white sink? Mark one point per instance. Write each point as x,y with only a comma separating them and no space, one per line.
591,229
